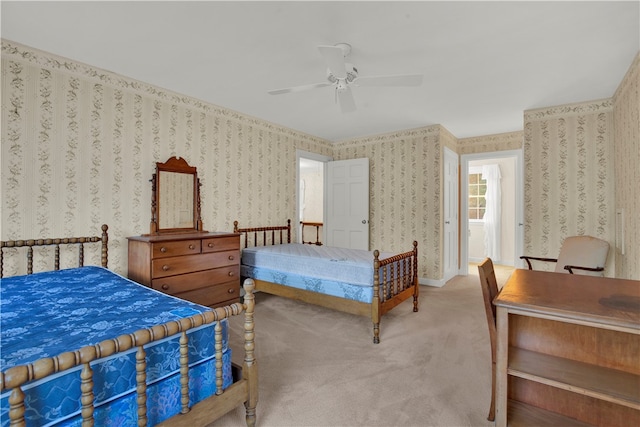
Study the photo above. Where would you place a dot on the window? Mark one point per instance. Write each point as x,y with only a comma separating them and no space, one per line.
477,190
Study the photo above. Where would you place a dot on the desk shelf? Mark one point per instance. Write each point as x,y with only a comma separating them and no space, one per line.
521,414
612,385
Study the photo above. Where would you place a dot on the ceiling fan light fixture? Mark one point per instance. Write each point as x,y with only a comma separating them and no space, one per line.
351,74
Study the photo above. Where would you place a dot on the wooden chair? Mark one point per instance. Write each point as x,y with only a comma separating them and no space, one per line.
489,287
586,254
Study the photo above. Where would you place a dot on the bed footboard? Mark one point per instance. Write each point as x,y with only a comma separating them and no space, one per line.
243,391
395,279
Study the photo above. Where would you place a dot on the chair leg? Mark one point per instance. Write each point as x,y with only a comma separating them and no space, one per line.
492,408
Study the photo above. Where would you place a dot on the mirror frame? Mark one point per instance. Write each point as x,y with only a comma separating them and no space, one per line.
175,165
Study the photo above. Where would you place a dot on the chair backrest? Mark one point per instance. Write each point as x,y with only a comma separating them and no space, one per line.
583,251
489,286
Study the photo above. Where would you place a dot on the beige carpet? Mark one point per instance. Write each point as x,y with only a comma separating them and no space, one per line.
319,367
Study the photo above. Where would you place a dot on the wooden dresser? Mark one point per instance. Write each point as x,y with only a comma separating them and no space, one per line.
202,267
568,351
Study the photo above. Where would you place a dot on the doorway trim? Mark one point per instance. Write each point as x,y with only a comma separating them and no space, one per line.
451,223
464,203
318,158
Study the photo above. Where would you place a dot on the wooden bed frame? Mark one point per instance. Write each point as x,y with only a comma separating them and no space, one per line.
244,389
400,290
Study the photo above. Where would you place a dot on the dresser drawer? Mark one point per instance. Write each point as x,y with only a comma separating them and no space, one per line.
222,294
225,258
172,266
175,285
169,249
220,244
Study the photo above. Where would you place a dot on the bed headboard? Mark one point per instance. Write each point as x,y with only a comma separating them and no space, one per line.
80,241
263,236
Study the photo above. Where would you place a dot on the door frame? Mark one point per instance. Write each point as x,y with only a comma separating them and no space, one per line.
451,196
318,158
464,203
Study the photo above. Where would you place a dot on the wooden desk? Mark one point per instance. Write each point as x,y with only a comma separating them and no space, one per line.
568,350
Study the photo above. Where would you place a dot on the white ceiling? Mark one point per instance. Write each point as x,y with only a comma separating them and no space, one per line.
484,63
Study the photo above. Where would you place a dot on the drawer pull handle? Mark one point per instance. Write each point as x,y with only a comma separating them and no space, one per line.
192,247
163,249
231,273
231,290
165,267
230,257
210,245
165,287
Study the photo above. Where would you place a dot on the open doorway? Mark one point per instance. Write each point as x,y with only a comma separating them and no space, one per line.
311,197
491,228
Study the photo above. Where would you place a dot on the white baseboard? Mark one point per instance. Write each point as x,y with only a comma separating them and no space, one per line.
430,282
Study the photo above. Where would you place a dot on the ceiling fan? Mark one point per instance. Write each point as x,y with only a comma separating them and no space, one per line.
342,75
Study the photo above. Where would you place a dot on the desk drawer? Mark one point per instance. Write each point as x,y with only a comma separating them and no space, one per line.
174,285
169,249
172,266
220,244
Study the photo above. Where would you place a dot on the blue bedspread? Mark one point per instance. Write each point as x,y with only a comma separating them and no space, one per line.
45,314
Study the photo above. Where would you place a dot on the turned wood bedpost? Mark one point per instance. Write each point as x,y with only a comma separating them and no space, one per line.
56,256
416,285
199,225
375,302
218,347
104,258
87,396
30,260
288,231
153,226
250,367
16,407
184,370
141,385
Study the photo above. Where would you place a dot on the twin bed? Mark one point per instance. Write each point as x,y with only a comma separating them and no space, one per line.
85,346
354,281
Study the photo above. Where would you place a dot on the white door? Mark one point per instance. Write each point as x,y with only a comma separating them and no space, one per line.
347,219
450,214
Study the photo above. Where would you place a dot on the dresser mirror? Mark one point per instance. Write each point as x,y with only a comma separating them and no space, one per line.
175,198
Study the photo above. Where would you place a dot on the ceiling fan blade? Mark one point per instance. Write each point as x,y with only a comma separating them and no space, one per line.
299,88
345,98
401,80
334,57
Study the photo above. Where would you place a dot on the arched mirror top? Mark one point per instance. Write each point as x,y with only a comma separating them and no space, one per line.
175,199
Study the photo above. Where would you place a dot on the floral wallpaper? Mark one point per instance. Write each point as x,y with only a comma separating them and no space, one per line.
568,177
79,146
406,187
626,115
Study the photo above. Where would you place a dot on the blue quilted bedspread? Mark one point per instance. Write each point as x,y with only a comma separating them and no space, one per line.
45,314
